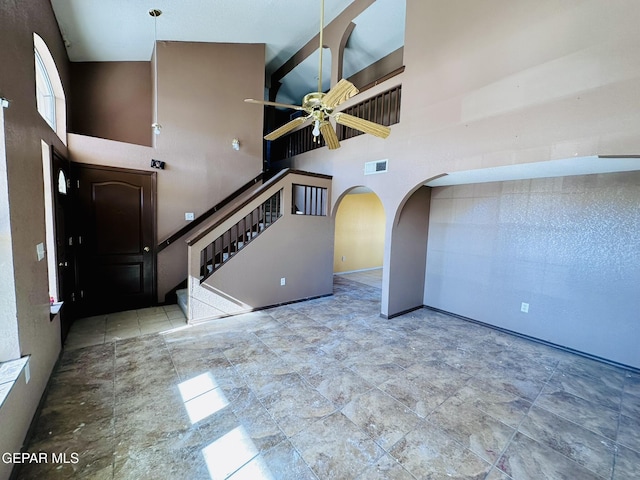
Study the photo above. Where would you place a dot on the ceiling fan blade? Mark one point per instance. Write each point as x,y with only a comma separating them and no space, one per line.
273,104
286,128
363,125
329,135
341,92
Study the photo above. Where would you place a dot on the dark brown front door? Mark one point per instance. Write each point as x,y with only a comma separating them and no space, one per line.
61,187
116,251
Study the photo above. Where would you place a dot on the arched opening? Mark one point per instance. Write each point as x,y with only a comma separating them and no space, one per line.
359,236
50,98
408,254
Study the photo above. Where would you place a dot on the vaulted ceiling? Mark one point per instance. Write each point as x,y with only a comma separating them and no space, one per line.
123,30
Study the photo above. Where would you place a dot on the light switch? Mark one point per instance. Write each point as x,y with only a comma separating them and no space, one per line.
189,216
40,251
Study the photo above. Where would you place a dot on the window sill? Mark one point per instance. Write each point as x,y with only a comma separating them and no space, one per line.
55,307
54,310
10,372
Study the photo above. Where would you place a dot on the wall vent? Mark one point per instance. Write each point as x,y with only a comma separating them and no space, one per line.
378,166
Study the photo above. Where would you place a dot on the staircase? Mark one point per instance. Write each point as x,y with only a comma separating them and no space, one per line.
183,300
223,248
277,240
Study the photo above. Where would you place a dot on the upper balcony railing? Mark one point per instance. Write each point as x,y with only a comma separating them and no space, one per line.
383,108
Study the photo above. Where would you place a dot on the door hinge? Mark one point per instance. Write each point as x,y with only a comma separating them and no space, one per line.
79,239
77,183
81,293
71,241
73,296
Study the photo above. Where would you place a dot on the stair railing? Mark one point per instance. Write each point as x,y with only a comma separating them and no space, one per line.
383,108
208,214
223,248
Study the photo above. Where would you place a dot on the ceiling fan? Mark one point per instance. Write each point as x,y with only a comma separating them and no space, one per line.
319,108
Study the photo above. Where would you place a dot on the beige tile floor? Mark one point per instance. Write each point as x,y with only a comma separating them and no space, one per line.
372,277
326,389
122,325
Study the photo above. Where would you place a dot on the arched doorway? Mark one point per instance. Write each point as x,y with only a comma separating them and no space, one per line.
359,236
408,254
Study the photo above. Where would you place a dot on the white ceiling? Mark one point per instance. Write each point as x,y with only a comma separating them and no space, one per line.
553,168
379,31
123,30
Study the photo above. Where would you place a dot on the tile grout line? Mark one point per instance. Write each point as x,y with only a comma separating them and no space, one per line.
349,328
614,452
258,399
337,410
115,438
615,445
386,451
517,429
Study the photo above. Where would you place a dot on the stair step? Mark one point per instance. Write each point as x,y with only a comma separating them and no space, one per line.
183,299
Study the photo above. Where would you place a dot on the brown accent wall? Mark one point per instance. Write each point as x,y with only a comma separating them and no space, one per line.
201,88
25,128
112,100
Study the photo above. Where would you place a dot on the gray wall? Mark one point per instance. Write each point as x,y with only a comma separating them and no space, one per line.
570,247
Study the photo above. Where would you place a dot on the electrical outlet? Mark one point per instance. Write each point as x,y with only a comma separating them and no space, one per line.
283,282
524,307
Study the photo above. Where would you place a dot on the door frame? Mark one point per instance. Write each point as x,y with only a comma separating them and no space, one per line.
64,238
76,167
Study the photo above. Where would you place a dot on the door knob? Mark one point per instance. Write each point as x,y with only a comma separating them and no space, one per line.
146,249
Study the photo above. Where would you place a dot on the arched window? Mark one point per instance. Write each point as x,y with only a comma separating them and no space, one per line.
45,98
62,182
50,97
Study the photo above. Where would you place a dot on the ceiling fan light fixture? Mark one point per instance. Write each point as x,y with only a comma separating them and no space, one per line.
320,107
